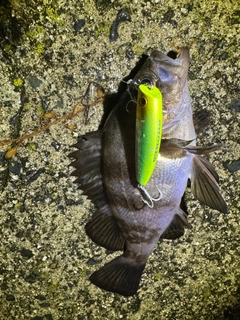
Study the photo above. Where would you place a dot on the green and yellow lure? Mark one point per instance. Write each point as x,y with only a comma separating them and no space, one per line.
148,131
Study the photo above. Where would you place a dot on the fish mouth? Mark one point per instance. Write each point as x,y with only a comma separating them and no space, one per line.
173,54
170,66
172,58
168,72
160,68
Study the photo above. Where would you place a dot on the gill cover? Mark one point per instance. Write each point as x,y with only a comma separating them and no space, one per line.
148,131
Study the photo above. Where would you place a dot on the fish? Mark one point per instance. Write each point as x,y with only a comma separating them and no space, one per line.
129,218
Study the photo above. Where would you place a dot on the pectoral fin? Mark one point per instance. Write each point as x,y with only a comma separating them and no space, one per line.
204,185
204,179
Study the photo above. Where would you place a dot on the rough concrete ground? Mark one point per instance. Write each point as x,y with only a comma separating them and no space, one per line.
47,60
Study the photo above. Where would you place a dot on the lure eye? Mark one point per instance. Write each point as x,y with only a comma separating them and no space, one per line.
143,102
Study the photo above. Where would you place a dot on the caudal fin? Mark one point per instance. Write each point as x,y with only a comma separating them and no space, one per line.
119,275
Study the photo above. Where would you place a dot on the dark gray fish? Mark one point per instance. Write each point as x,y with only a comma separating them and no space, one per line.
127,217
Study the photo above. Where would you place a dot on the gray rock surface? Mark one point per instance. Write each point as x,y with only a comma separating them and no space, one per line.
48,56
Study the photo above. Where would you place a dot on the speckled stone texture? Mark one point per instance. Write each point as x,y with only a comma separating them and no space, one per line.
49,52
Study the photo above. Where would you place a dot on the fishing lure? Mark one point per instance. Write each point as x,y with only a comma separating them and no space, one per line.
148,131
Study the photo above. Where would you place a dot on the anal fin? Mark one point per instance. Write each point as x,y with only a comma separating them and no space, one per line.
104,230
176,227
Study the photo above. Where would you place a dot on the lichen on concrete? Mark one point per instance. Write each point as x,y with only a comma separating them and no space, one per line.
45,256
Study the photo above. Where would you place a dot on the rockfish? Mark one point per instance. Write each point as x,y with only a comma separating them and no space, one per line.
128,217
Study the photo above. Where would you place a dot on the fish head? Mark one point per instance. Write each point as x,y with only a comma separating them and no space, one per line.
171,70
168,72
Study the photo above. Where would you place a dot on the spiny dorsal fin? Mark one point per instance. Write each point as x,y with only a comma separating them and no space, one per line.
87,166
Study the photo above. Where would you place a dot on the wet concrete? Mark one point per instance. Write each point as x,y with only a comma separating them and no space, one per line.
49,54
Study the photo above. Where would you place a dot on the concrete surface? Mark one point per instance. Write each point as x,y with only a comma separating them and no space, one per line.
46,65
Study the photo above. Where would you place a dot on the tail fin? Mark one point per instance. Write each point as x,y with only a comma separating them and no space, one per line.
119,275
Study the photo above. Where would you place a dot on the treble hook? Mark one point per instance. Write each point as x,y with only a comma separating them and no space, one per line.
149,201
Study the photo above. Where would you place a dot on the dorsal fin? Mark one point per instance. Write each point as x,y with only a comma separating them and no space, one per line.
102,228
87,166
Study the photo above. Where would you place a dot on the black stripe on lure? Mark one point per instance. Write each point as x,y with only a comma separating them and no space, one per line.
148,137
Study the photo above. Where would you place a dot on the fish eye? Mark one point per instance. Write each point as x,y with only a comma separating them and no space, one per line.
146,81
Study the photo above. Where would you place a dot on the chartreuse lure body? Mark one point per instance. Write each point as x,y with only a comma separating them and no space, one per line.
148,131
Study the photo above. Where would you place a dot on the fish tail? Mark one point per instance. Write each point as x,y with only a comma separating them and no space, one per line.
119,275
